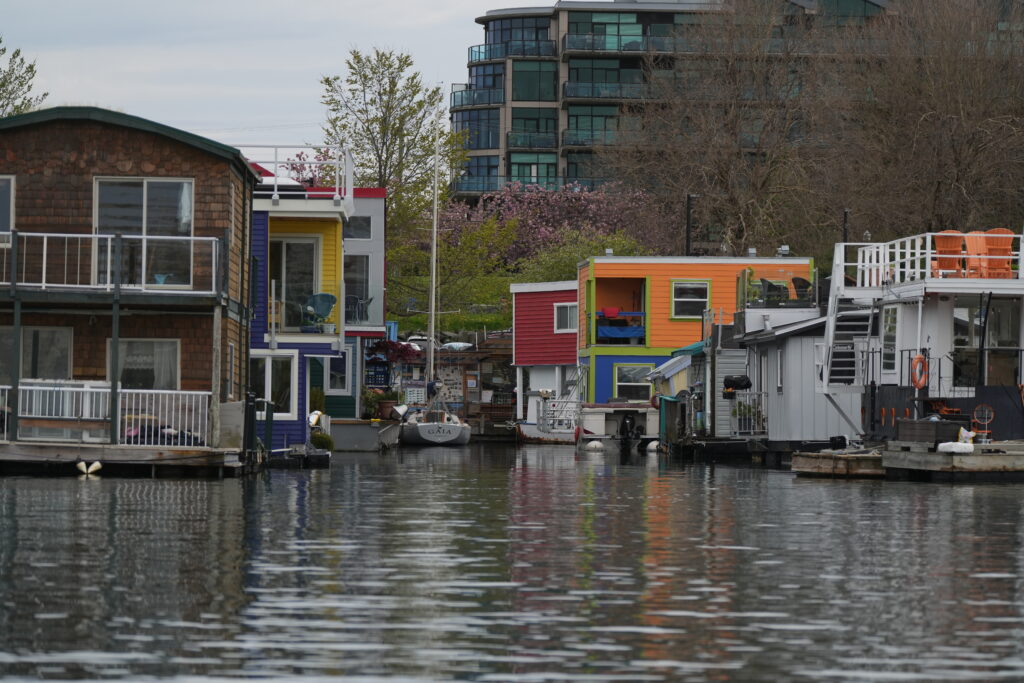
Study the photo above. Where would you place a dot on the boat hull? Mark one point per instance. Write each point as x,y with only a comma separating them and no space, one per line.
435,434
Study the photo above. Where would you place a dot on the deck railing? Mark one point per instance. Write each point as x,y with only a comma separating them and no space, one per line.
50,410
747,415
939,255
557,415
150,264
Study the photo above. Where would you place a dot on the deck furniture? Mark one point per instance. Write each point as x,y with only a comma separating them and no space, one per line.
949,254
999,247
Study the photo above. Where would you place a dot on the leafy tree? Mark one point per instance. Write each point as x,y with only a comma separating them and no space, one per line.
560,261
16,84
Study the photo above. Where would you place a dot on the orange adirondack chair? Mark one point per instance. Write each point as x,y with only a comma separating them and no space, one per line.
948,246
999,242
977,253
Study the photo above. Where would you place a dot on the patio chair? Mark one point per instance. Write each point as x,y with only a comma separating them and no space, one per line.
948,246
977,254
318,308
999,243
802,288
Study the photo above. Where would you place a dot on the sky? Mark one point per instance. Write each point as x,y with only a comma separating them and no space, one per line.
237,71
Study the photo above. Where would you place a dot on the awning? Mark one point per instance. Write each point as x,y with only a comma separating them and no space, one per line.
691,350
670,367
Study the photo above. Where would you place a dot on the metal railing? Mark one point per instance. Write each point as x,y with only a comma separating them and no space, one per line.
465,96
587,138
522,140
512,48
557,415
590,42
747,414
494,183
600,91
323,172
50,410
148,263
939,255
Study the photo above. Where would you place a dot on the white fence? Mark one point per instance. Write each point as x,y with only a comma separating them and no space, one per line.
149,264
939,255
80,412
748,416
557,415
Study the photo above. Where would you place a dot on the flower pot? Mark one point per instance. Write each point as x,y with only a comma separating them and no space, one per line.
328,328
384,409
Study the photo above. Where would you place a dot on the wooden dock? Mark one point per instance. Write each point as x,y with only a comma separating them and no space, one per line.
863,464
62,458
998,461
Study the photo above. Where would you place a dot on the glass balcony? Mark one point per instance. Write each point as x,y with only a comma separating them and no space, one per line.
588,138
512,48
520,140
605,91
472,98
480,184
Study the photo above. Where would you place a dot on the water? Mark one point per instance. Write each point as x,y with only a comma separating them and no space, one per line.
492,564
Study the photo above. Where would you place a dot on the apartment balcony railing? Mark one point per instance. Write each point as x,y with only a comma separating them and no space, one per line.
79,411
165,265
512,48
519,140
467,97
605,91
479,184
588,138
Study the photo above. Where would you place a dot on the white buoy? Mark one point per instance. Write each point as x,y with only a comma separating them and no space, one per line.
594,445
652,446
95,467
81,467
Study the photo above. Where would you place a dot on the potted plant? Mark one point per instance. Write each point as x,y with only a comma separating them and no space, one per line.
386,402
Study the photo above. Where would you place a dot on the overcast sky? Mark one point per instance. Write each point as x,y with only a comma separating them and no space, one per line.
234,70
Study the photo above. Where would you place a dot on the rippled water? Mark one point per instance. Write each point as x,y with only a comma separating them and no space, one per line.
492,564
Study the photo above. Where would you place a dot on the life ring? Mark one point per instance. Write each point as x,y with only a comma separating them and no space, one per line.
919,372
655,401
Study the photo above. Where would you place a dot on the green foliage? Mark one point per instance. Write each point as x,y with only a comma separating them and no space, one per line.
317,400
560,261
371,399
16,84
321,440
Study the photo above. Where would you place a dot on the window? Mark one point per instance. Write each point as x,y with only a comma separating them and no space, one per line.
45,353
6,203
357,228
482,126
889,338
357,288
520,28
272,376
533,168
625,70
630,383
292,278
566,317
155,208
779,367
534,81
689,299
487,77
570,378
147,363
230,379
534,120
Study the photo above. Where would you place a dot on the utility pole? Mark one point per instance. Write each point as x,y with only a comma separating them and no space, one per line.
846,225
689,221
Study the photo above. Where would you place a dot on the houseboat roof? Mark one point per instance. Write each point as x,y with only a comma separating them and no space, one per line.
762,260
114,118
560,286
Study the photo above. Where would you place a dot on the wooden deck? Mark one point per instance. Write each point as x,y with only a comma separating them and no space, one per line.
859,465
56,455
1002,460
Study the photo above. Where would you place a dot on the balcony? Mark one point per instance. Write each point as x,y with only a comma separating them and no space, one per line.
480,184
590,42
467,97
605,91
512,48
520,140
615,326
588,138
152,265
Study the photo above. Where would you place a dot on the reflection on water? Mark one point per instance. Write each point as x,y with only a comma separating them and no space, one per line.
492,564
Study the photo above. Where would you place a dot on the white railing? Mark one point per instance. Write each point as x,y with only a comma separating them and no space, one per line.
89,262
4,412
557,415
747,415
939,255
308,171
80,411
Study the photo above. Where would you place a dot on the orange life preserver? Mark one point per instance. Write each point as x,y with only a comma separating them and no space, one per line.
919,372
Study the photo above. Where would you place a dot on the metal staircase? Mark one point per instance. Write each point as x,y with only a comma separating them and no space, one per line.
841,362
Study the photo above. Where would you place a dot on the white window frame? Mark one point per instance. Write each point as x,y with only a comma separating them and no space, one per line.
231,370
888,360
9,329
177,354
707,298
293,356
615,377
5,234
325,359
318,249
573,319
779,367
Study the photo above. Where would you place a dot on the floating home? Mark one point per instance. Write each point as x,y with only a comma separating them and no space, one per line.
124,290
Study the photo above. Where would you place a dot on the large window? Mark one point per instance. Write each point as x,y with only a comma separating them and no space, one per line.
566,317
487,77
357,288
6,203
605,71
272,376
630,383
45,353
889,338
156,208
293,274
331,373
519,28
147,363
537,81
533,168
689,298
483,130
357,228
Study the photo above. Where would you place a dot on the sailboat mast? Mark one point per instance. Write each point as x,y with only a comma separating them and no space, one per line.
432,315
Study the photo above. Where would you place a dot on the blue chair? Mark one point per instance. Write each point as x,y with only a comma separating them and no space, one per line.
318,308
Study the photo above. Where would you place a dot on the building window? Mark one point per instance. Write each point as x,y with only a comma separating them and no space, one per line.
292,278
483,129
889,338
487,77
357,288
566,318
689,298
273,377
147,363
520,28
158,208
533,168
535,81
357,228
230,393
779,367
45,353
6,203
534,120
630,383
570,378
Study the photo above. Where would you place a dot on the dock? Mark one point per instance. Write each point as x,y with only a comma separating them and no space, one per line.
861,464
997,461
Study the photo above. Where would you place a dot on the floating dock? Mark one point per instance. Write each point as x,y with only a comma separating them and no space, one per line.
997,461
861,464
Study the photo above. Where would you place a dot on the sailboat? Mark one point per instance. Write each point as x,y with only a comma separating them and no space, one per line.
434,425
